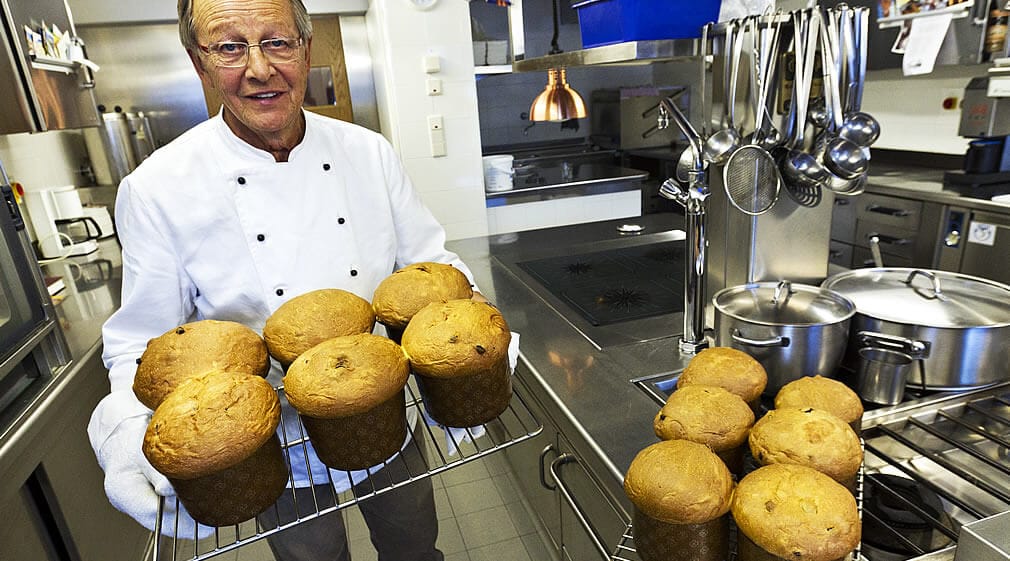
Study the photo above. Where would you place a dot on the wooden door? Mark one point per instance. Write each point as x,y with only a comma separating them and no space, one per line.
328,92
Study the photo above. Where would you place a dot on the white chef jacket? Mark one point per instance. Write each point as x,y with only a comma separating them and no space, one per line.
213,228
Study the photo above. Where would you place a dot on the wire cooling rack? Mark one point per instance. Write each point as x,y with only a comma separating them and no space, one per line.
625,550
444,452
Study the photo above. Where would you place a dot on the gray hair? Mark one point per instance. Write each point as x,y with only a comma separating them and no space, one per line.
187,28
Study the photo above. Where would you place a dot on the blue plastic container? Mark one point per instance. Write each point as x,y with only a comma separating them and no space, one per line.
604,22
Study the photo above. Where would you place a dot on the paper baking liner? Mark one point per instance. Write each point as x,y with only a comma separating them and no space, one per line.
238,493
363,440
467,401
656,540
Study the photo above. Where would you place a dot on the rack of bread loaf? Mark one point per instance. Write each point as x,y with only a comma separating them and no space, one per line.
218,433
727,480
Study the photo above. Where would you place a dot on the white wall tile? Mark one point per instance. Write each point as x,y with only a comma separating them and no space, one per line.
440,174
910,109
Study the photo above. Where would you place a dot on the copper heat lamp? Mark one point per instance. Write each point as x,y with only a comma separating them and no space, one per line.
558,101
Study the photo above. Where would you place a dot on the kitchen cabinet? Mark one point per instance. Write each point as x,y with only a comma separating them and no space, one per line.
53,490
582,522
41,92
905,229
591,524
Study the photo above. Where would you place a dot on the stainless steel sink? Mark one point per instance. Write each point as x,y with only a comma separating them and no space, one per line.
658,386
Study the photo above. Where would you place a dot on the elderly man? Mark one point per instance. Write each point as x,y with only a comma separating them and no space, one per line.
260,203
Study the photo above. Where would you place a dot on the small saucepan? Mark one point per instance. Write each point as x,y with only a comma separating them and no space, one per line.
793,330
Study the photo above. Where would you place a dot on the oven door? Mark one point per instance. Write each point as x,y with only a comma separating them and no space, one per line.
24,311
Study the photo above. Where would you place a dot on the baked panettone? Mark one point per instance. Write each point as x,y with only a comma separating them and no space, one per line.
311,318
728,368
708,415
459,350
794,512
215,439
681,493
825,394
349,392
809,437
403,293
197,348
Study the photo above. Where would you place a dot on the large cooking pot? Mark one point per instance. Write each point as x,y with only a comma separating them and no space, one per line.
793,330
958,326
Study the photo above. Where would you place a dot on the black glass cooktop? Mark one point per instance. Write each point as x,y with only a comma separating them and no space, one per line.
616,285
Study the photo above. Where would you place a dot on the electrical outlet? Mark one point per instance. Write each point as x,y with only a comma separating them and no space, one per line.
434,86
435,123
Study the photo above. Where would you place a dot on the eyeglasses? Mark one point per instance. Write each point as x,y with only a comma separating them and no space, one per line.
235,54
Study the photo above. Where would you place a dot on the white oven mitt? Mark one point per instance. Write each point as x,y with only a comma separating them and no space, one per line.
135,487
456,436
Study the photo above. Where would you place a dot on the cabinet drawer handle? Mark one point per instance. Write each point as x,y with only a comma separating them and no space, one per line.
889,211
583,521
543,468
889,240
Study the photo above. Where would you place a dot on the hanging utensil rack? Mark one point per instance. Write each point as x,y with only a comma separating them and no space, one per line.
444,452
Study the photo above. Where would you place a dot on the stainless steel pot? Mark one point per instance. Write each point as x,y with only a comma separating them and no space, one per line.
793,330
957,326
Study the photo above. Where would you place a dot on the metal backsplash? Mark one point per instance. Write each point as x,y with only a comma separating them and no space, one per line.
144,68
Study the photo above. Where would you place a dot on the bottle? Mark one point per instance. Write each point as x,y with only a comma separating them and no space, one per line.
995,35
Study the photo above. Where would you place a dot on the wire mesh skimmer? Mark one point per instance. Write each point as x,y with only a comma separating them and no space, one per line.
751,179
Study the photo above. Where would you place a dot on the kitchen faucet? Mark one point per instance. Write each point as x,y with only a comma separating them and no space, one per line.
692,197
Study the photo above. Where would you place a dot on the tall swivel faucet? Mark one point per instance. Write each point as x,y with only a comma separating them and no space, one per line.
692,197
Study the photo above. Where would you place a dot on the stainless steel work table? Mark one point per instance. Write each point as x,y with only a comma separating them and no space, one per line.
586,390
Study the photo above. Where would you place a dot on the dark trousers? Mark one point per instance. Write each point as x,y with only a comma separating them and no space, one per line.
402,523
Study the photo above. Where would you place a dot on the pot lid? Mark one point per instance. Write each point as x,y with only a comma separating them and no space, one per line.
784,303
925,297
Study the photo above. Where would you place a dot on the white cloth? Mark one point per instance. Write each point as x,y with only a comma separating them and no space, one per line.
135,487
213,228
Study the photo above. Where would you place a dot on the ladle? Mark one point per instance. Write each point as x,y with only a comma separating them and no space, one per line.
842,158
798,166
859,127
765,134
721,144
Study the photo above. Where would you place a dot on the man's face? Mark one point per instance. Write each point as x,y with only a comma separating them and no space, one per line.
263,97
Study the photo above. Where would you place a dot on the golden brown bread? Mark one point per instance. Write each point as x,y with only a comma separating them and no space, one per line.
196,348
403,293
311,318
346,376
456,338
707,415
679,482
210,423
821,393
795,512
809,437
727,368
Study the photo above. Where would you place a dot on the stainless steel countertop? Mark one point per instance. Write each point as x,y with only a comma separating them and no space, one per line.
553,181
82,382
608,418
925,184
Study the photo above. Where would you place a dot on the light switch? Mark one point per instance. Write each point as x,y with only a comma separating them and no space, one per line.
435,123
434,86
432,64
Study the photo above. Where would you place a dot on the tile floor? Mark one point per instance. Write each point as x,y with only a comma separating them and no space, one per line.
482,517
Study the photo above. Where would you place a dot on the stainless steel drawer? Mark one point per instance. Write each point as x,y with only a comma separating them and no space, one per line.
893,241
892,211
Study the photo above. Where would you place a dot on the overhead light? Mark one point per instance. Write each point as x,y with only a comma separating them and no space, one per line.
558,101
